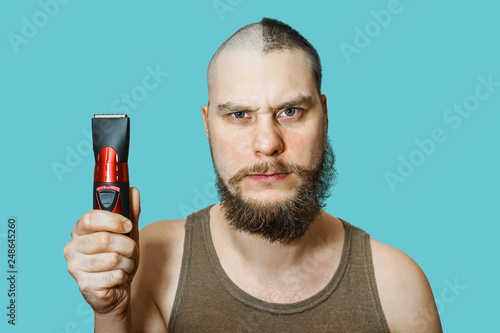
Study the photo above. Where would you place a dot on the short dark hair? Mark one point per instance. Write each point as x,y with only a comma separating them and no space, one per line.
280,36
272,35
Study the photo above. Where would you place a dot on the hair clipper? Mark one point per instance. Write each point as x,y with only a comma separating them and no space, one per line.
110,135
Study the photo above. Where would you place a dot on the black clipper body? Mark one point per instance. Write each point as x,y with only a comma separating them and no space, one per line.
111,136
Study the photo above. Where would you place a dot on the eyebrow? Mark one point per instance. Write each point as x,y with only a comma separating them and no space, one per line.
296,101
229,107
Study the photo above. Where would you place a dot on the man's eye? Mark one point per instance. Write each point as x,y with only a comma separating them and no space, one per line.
290,112
239,115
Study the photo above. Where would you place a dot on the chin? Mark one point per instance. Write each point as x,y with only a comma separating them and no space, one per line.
269,197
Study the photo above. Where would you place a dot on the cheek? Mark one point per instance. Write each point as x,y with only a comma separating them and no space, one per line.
228,151
301,151
305,147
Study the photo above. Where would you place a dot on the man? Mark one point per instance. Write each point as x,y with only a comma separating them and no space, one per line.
268,258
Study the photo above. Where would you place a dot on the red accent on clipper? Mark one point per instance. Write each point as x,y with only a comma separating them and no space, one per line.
108,169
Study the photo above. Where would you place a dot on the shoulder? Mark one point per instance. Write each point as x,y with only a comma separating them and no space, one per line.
161,247
158,232
404,291
161,244
155,283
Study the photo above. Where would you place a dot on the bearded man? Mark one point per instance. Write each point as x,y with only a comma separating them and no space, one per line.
268,258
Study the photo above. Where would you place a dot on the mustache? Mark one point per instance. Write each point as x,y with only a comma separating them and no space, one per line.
271,167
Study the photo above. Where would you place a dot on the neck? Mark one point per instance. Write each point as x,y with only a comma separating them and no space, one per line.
322,242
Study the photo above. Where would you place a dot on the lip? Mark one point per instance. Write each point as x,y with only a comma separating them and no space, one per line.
268,178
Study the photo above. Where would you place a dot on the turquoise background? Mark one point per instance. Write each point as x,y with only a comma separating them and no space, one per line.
396,89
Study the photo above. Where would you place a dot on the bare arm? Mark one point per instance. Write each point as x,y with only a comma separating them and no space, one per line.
155,283
147,285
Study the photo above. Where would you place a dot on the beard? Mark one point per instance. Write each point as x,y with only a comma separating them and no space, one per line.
281,221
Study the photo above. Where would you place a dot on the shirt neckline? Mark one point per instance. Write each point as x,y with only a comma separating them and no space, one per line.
277,308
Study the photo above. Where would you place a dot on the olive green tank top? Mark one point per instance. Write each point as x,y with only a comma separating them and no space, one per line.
208,301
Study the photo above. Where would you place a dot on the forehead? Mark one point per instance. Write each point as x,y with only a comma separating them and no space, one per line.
252,76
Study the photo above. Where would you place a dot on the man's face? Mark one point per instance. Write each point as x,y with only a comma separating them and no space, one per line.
266,125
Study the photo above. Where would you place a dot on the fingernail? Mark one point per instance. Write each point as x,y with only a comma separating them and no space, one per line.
127,226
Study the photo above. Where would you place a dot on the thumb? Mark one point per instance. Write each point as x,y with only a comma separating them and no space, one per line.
135,211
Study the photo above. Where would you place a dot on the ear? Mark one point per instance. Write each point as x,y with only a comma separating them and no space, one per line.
325,107
204,113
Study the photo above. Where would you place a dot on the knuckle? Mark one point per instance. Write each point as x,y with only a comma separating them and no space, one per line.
102,239
86,220
72,268
84,286
119,274
112,259
67,250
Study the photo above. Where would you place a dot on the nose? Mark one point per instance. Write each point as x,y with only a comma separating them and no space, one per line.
267,138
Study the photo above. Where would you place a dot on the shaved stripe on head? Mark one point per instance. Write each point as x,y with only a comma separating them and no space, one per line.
266,36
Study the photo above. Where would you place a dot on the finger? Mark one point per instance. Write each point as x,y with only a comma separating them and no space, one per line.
135,211
101,220
101,281
82,265
103,262
102,241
